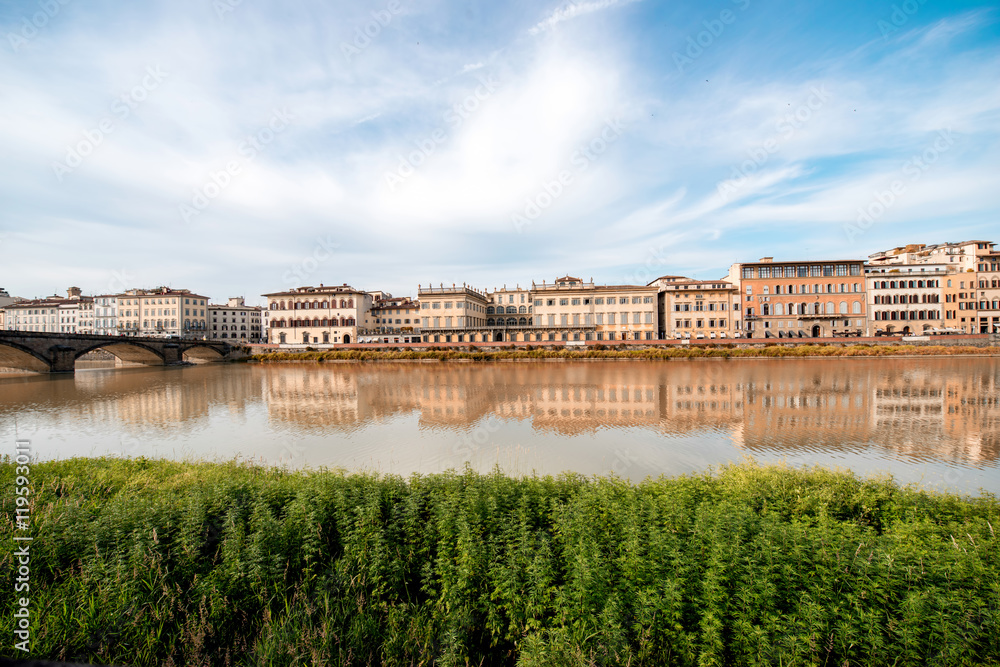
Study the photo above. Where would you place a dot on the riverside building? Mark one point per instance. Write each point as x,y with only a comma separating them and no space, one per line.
391,320
454,314
235,320
988,288
906,298
322,315
54,314
801,299
163,313
106,315
697,309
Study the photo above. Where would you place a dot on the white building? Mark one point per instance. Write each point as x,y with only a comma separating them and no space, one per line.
906,298
54,314
323,315
106,315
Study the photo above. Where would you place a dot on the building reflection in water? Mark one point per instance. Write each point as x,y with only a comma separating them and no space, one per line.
565,415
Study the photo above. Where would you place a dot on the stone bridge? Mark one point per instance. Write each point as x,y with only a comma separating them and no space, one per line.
58,352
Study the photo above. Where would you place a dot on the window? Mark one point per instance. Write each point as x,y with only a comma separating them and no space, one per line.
623,299
563,302
599,301
747,273
575,302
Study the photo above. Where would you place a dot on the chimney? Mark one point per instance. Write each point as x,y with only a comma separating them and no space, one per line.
766,260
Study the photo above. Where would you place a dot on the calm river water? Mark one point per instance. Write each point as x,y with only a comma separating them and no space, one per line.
935,421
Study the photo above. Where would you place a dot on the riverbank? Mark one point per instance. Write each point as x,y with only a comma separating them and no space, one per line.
677,352
161,563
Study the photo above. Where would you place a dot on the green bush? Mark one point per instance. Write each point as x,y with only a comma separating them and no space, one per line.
160,563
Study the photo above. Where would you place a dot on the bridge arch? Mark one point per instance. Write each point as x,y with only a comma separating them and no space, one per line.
132,352
13,355
202,354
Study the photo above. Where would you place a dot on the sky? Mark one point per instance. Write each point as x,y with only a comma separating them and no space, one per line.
239,147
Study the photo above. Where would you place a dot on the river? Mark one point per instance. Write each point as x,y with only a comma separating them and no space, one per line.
934,421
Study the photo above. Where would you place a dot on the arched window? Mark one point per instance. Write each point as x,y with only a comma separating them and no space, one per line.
274,305
323,322
830,308
523,321
281,337
511,309
490,322
316,322
856,308
350,303
489,310
765,309
511,321
843,307
187,324
522,310
779,309
791,309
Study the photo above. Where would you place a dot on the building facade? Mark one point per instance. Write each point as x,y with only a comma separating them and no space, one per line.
106,315
321,315
988,287
907,298
163,313
235,321
54,314
391,320
454,314
697,309
801,299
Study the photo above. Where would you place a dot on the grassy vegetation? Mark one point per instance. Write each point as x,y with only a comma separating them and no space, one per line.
161,563
772,350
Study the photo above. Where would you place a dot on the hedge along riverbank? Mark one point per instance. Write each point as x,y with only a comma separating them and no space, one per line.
686,352
162,563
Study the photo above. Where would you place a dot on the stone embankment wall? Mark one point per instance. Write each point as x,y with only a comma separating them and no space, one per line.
969,340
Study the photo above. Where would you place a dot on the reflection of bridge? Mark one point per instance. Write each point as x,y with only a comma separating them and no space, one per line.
57,353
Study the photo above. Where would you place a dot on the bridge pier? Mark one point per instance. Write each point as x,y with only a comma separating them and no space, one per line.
63,359
172,354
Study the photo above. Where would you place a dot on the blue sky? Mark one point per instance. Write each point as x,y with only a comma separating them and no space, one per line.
240,147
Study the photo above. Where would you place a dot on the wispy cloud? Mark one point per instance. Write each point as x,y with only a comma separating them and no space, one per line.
572,10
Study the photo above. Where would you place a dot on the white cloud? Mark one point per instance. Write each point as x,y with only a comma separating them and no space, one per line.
572,10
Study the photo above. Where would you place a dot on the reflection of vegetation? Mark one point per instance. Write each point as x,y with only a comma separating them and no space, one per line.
685,352
152,563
